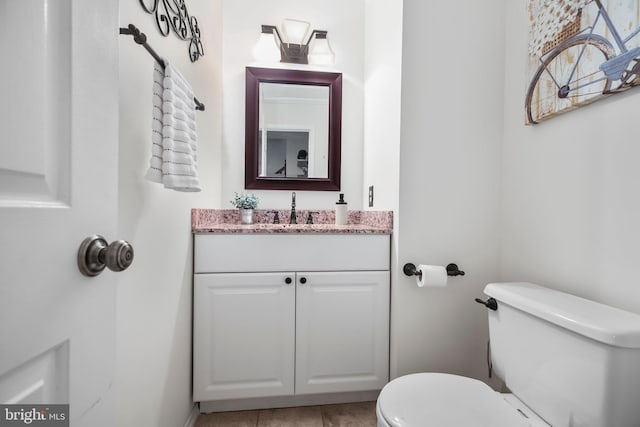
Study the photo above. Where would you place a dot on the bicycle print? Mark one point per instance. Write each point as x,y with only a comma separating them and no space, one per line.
579,52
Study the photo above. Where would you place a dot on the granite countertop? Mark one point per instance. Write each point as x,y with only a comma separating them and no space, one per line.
228,221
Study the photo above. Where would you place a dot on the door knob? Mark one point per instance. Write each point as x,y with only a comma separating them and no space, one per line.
95,254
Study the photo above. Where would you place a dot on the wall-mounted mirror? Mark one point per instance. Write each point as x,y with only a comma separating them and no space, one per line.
293,125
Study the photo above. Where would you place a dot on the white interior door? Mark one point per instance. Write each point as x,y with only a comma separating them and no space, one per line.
58,185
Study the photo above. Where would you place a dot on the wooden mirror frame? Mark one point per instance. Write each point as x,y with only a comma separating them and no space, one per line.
255,76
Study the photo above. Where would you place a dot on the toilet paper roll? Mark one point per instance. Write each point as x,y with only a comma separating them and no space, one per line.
432,276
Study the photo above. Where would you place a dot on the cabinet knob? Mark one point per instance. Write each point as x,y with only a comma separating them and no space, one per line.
288,280
303,280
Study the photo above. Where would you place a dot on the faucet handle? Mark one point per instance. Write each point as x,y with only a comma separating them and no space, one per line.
293,217
310,217
276,217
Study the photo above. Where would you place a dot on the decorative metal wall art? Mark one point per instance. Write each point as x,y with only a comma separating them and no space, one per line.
173,15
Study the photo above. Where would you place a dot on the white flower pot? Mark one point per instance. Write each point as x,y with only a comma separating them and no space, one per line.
246,216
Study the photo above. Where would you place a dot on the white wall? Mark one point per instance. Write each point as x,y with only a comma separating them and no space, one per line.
344,21
451,132
154,295
571,204
382,89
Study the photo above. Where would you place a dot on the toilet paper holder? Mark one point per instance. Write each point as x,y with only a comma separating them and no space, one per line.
411,270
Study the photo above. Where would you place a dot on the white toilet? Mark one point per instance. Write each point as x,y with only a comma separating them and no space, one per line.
568,361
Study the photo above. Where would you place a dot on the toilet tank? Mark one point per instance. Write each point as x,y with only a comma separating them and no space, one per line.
575,362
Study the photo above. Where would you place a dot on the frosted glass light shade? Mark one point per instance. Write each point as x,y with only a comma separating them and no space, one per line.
295,31
267,50
320,52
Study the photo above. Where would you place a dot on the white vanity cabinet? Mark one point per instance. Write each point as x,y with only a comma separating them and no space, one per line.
290,315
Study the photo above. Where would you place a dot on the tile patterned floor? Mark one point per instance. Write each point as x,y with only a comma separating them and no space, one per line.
345,415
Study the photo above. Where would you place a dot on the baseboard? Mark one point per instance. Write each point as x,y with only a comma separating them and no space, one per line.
193,416
287,401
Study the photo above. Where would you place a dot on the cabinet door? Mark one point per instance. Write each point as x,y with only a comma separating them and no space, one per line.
243,340
342,331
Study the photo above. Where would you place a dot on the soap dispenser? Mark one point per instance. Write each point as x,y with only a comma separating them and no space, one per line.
341,211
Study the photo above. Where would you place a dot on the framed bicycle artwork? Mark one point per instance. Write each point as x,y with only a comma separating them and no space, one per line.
579,52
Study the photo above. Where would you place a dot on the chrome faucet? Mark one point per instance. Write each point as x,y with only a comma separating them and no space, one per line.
292,218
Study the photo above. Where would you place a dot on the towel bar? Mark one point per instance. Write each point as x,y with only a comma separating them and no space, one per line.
141,38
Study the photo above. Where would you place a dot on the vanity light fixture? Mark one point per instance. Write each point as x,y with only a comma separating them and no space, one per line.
272,46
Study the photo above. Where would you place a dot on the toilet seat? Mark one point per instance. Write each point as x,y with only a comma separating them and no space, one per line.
444,400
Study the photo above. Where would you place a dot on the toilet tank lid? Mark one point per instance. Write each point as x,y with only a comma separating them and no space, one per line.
597,321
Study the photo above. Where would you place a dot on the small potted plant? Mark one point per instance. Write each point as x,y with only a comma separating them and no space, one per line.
246,203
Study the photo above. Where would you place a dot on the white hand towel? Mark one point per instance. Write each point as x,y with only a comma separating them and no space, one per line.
174,147
154,173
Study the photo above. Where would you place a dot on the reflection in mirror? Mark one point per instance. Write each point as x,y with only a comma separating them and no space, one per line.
293,131
293,126
280,147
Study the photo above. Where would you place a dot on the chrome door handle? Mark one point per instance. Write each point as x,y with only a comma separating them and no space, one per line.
95,254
